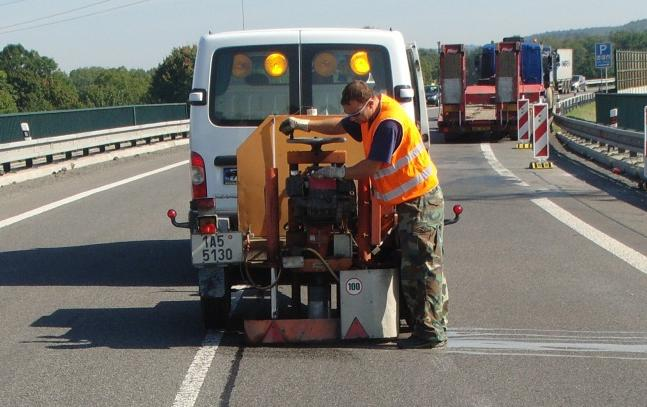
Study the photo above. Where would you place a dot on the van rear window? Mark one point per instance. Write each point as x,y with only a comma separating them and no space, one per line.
250,83
328,68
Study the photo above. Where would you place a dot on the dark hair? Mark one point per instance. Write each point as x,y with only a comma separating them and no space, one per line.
358,91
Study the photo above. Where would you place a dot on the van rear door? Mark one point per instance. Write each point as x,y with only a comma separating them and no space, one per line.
419,100
242,92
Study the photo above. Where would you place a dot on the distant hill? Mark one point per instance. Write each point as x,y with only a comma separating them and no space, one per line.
636,26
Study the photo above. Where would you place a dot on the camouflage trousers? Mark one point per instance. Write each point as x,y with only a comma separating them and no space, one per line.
423,284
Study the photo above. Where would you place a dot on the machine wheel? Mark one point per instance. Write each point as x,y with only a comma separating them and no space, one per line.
215,311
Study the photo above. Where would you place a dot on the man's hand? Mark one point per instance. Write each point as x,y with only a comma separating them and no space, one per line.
292,123
330,172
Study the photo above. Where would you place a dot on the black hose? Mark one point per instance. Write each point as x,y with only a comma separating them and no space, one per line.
251,281
324,262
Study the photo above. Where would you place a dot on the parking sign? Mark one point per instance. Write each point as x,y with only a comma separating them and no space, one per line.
603,55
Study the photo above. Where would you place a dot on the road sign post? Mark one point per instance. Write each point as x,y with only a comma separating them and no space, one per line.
603,59
645,145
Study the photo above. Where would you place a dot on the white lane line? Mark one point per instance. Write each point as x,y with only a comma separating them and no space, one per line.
73,198
192,383
197,372
498,167
623,252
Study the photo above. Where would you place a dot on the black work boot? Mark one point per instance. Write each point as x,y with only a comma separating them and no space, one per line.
419,342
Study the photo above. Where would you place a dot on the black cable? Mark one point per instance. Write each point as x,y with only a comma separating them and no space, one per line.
324,262
77,17
11,2
251,281
55,15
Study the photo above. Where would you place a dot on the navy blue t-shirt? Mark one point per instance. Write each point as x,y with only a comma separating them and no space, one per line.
388,136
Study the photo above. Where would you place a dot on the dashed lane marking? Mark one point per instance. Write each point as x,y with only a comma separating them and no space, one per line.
192,383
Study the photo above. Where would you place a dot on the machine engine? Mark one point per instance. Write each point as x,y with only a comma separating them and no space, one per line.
318,209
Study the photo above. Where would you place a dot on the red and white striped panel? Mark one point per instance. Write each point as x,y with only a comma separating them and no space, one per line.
523,125
541,132
645,146
613,117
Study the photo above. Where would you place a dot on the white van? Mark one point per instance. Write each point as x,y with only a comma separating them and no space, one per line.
242,77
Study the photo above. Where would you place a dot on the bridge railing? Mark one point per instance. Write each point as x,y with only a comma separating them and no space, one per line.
64,133
30,149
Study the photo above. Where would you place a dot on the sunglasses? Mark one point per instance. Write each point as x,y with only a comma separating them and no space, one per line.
357,113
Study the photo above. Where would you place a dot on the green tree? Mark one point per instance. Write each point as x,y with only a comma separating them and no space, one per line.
102,87
634,41
36,81
172,79
7,103
429,64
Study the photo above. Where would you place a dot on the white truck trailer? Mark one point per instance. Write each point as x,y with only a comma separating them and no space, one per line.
564,69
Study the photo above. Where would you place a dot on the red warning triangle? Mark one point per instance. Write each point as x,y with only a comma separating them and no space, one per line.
273,334
356,331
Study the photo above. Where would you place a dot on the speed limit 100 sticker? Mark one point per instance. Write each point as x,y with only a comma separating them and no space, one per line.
353,286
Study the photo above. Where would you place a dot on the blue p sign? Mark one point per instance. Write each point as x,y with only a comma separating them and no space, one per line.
603,55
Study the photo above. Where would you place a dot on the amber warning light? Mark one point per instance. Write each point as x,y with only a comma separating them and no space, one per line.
276,64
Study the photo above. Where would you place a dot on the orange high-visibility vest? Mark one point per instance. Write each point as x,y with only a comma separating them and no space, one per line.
411,173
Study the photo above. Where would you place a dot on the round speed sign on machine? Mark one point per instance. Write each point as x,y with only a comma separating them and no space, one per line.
353,286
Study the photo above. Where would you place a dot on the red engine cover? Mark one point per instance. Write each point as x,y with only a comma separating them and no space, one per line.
322,183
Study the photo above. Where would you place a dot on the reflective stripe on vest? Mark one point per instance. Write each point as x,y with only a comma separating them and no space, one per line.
410,172
404,188
401,163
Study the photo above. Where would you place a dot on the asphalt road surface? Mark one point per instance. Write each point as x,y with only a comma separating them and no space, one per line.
547,273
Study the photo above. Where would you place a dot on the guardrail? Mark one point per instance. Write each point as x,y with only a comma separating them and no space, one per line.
566,105
622,139
600,81
599,84
31,149
601,143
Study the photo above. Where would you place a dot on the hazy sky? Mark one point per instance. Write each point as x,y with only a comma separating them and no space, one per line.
140,33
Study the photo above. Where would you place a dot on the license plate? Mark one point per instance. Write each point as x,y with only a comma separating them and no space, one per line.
219,248
230,176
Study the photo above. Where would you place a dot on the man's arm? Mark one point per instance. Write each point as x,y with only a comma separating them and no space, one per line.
329,126
363,169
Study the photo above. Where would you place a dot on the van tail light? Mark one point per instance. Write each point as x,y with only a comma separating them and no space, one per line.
207,226
203,204
198,176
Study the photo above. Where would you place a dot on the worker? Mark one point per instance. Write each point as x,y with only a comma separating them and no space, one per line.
402,174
